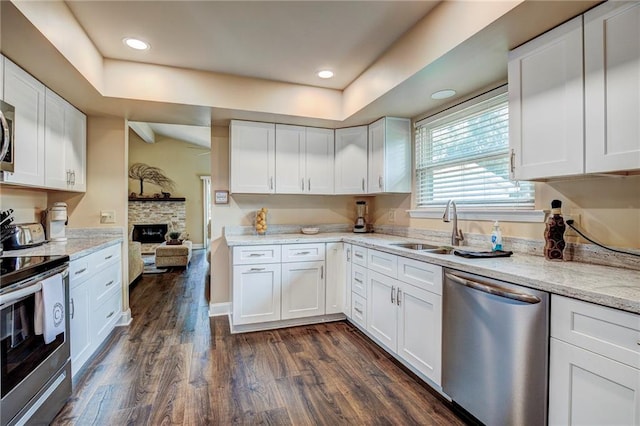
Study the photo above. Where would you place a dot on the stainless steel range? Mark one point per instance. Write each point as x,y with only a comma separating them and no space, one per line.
35,374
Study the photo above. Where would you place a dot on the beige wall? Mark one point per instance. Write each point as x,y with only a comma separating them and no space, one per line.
609,209
27,204
183,165
283,209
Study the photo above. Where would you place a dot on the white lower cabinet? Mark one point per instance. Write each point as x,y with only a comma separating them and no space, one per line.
383,318
95,301
347,252
256,293
335,279
303,290
594,371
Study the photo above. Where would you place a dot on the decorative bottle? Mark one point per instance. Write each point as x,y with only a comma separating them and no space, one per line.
554,233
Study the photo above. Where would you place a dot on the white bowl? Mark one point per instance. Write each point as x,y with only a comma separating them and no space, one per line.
310,231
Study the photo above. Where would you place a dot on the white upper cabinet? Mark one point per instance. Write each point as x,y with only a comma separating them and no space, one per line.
612,87
351,160
1,77
27,95
304,160
65,145
253,159
546,122
390,156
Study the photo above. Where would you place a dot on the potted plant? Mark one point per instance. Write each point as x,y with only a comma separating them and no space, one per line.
174,238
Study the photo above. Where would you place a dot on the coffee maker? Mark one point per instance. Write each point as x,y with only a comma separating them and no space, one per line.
55,222
361,217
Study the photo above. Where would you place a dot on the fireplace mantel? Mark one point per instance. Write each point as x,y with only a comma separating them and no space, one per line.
157,199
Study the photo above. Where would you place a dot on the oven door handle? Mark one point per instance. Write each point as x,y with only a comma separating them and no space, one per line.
10,298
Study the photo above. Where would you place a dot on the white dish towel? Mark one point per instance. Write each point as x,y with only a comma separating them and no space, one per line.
49,310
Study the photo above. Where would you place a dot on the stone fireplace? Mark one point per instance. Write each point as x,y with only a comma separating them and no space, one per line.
149,217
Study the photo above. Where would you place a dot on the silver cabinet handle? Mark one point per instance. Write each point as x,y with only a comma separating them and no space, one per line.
494,289
271,182
256,269
322,272
80,271
393,294
358,280
302,187
358,311
309,186
111,314
108,257
348,255
362,184
73,177
302,253
73,309
380,182
109,283
359,255
398,297
256,254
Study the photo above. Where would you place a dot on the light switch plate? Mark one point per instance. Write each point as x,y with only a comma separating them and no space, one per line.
107,216
392,216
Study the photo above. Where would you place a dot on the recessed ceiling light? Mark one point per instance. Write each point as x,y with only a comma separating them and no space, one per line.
135,43
443,94
325,74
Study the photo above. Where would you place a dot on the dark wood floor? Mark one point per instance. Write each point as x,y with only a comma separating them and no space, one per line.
175,365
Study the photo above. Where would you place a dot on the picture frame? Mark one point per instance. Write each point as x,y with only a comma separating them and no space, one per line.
221,196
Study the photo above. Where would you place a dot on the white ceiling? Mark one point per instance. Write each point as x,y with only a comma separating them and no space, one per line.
275,40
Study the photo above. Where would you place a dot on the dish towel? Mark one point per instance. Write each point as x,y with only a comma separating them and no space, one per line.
49,310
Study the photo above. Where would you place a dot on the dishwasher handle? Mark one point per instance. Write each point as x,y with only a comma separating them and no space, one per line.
493,289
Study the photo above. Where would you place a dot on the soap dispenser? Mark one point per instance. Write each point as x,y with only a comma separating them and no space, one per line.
496,237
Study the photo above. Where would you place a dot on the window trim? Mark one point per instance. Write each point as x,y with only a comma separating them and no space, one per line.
525,214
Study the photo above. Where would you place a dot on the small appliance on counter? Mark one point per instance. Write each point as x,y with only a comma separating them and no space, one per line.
361,225
25,235
55,219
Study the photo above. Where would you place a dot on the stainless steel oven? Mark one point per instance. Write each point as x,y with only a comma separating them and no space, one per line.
35,377
7,115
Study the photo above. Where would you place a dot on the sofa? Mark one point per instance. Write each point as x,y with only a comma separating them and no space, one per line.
136,264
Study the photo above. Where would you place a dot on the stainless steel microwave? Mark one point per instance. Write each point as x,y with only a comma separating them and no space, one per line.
7,153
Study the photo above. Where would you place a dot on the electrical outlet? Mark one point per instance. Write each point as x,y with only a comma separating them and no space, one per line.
107,216
569,232
392,216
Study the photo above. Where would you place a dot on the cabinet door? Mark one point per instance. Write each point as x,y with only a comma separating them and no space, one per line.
351,160
253,160
27,95
612,85
420,330
55,148
2,77
376,157
347,253
319,160
75,127
546,121
290,159
588,389
80,310
256,293
382,312
303,289
335,282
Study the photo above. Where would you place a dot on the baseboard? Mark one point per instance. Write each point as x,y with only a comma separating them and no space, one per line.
219,309
244,328
197,246
125,318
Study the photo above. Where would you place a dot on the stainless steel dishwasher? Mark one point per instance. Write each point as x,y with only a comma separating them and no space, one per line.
495,352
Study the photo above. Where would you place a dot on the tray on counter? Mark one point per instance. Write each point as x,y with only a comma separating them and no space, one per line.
482,254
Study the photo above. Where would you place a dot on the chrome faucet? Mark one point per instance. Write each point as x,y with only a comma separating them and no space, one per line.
456,234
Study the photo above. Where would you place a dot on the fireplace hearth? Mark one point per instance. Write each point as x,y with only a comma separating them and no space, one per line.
149,233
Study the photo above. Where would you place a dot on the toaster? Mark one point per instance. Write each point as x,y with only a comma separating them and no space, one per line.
25,235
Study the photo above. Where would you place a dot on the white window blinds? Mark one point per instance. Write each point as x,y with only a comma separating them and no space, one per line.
464,156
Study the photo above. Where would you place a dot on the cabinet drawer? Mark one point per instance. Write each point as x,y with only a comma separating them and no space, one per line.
248,255
105,257
105,282
359,280
359,310
106,316
605,331
359,256
79,270
383,263
422,275
303,252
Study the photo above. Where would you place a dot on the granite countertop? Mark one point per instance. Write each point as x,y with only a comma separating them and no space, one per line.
75,248
605,285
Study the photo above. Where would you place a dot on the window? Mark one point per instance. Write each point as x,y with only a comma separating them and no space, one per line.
464,156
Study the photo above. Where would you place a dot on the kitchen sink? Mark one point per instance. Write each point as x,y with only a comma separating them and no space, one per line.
427,248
